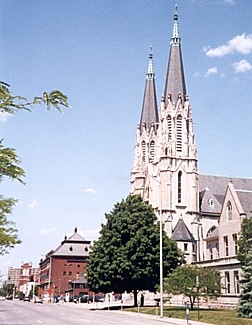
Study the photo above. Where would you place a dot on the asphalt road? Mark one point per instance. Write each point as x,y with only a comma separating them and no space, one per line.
27,313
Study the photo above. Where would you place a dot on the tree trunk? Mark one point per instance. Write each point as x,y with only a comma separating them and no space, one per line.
135,298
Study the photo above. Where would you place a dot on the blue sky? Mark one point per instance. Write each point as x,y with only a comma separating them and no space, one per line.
96,51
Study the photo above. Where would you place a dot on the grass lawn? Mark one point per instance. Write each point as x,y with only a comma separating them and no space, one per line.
212,316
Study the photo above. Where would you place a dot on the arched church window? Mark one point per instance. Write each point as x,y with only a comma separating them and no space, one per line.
229,210
169,120
179,133
152,150
179,187
144,150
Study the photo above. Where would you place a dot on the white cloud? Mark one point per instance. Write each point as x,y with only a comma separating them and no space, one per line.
211,71
89,190
238,44
33,205
242,66
4,117
196,74
48,231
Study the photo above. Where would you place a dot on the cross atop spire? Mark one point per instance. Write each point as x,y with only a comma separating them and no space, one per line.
175,40
150,73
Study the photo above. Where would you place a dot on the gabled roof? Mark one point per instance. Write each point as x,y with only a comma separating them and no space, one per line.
215,187
182,233
209,203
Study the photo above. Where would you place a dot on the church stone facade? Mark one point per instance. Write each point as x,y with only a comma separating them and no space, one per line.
203,213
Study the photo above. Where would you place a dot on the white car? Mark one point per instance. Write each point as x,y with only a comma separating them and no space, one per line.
37,300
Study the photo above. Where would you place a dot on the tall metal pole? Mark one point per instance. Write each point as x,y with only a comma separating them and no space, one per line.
161,250
50,271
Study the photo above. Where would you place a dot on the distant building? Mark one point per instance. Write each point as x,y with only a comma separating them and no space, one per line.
63,270
20,276
202,213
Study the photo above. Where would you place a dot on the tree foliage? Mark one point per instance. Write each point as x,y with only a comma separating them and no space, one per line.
12,103
193,281
244,308
7,289
126,257
245,240
9,160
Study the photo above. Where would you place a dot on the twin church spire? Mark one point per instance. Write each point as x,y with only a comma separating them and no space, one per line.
165,153
175,80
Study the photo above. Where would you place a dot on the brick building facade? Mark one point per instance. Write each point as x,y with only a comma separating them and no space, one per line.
63,270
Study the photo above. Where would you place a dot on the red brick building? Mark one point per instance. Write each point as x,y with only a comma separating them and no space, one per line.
25,273
63,270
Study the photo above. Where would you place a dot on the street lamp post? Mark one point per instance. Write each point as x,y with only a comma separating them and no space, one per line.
161,251
161,245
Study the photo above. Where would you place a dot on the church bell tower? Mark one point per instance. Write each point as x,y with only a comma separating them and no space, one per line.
165,164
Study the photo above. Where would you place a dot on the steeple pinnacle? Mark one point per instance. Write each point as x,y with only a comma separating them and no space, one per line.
150,74
149,115
175,35
175,80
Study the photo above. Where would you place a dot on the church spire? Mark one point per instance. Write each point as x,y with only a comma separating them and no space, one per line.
175,80
149,115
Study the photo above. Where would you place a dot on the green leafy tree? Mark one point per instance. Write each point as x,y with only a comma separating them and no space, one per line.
244,308
7,289
194,282
10,162
245,240
126,257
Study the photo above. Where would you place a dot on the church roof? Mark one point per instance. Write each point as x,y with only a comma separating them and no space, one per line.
175,79
218,184
214,187
182,233
245,198
149,115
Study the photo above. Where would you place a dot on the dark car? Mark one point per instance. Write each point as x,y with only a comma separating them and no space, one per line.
26,299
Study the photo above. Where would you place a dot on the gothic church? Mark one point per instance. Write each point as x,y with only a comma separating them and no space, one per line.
203,213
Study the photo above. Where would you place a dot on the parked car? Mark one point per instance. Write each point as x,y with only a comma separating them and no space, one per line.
26,299
38,300
9,297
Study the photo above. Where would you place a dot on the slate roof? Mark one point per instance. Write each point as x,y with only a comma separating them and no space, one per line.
245,198
75,245
218,184
182,233
215,187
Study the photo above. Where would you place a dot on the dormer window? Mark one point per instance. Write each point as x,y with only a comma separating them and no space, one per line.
71,248
211,202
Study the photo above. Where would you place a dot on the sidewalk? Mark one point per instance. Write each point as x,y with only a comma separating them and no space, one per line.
166,320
